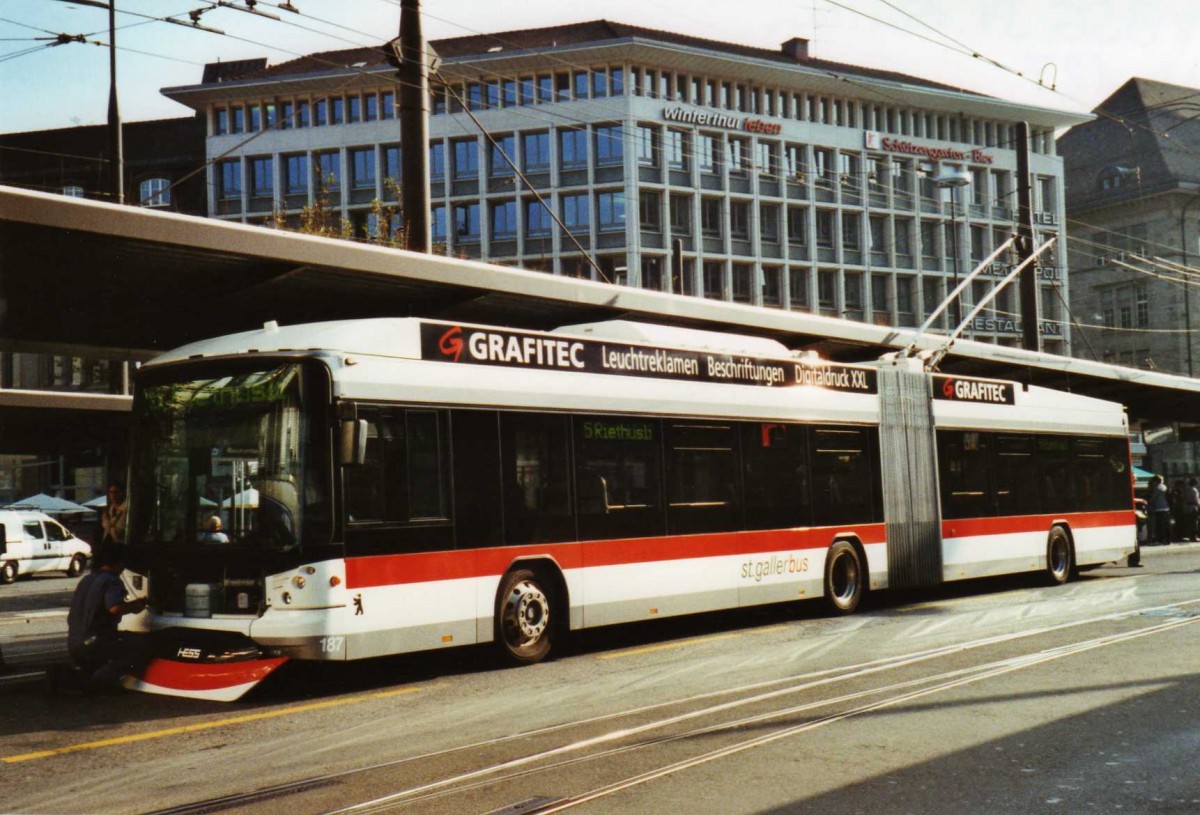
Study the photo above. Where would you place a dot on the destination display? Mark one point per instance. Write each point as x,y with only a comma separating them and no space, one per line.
955,389
520,349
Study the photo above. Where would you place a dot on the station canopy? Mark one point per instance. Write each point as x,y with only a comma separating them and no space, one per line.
79,274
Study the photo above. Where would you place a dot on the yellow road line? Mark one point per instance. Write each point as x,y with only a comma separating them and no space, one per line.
192,728
666,645
770,629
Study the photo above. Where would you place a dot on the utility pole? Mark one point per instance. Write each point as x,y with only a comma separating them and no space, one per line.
116,159
407,54
1031,337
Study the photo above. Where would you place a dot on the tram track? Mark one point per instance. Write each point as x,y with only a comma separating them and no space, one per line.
666,725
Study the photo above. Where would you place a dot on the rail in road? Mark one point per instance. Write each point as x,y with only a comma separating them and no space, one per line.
639,757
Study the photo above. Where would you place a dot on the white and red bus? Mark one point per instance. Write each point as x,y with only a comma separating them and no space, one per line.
399,485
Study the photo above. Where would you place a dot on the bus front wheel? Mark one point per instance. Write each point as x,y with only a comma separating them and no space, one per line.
1059,560
845,578
8,572
524,618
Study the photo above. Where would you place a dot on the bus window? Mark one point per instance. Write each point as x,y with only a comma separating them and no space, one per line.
963,469
842,476
398,500
1056,474
1016,475
1102,474
618,477
702,478
477,504
535,478
775,470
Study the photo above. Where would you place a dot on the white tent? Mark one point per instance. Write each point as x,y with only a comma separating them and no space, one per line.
51,505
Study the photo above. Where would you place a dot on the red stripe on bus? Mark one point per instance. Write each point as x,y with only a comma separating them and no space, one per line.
970,527
388,570
196,676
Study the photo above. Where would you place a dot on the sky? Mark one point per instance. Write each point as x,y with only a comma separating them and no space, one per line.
1084,49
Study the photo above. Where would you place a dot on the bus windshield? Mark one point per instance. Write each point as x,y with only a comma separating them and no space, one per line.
221,461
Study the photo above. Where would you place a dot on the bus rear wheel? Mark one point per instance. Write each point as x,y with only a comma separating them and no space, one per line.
76,566
8,572
845,578
524,618
1059,559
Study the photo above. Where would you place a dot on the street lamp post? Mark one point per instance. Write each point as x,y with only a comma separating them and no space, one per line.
954,180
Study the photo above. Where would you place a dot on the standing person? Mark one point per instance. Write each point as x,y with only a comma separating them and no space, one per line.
102,653
112,520
1160,511
1177,508
1191,511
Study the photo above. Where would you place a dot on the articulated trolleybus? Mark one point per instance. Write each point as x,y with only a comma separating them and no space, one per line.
399,485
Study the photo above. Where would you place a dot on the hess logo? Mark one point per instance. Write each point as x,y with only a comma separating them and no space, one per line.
451,343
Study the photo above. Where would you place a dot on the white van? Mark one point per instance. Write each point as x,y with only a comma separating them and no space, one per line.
34,542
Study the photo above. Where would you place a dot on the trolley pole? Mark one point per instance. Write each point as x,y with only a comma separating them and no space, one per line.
407,54
1031,337
116,159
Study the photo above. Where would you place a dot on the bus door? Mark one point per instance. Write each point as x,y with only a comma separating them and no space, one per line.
910,485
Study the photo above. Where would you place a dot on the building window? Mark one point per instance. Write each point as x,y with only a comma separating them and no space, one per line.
903,236
437,224
739,155
491,94
851,239
501,147
220,121
575,213
466,223
649,211
854,291
303,114
743,273
437,161
362,167
155,192
75,191
262,177
710,217
768,222
329,169
537,219
823,161
714,280
295,180
708,153
825,228
572,146
1141,305
536,149
647,146
768,159
466,159
610,145
610,211
618,81
798,287
370,107
827,288
391,165
545,89
772,286
739,220
229,179
681,214
337,108
238,124
797,226
320,113
504,220
510,92
387,105
581,84
255,119
677,150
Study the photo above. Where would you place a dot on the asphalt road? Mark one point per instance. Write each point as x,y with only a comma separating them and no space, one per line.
1000,696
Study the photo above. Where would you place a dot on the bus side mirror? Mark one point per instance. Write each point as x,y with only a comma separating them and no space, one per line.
352,450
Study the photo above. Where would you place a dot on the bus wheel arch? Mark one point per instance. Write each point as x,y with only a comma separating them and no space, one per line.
530,612
1060,555
846,575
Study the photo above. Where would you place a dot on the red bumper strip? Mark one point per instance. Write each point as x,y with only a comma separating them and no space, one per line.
193,676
